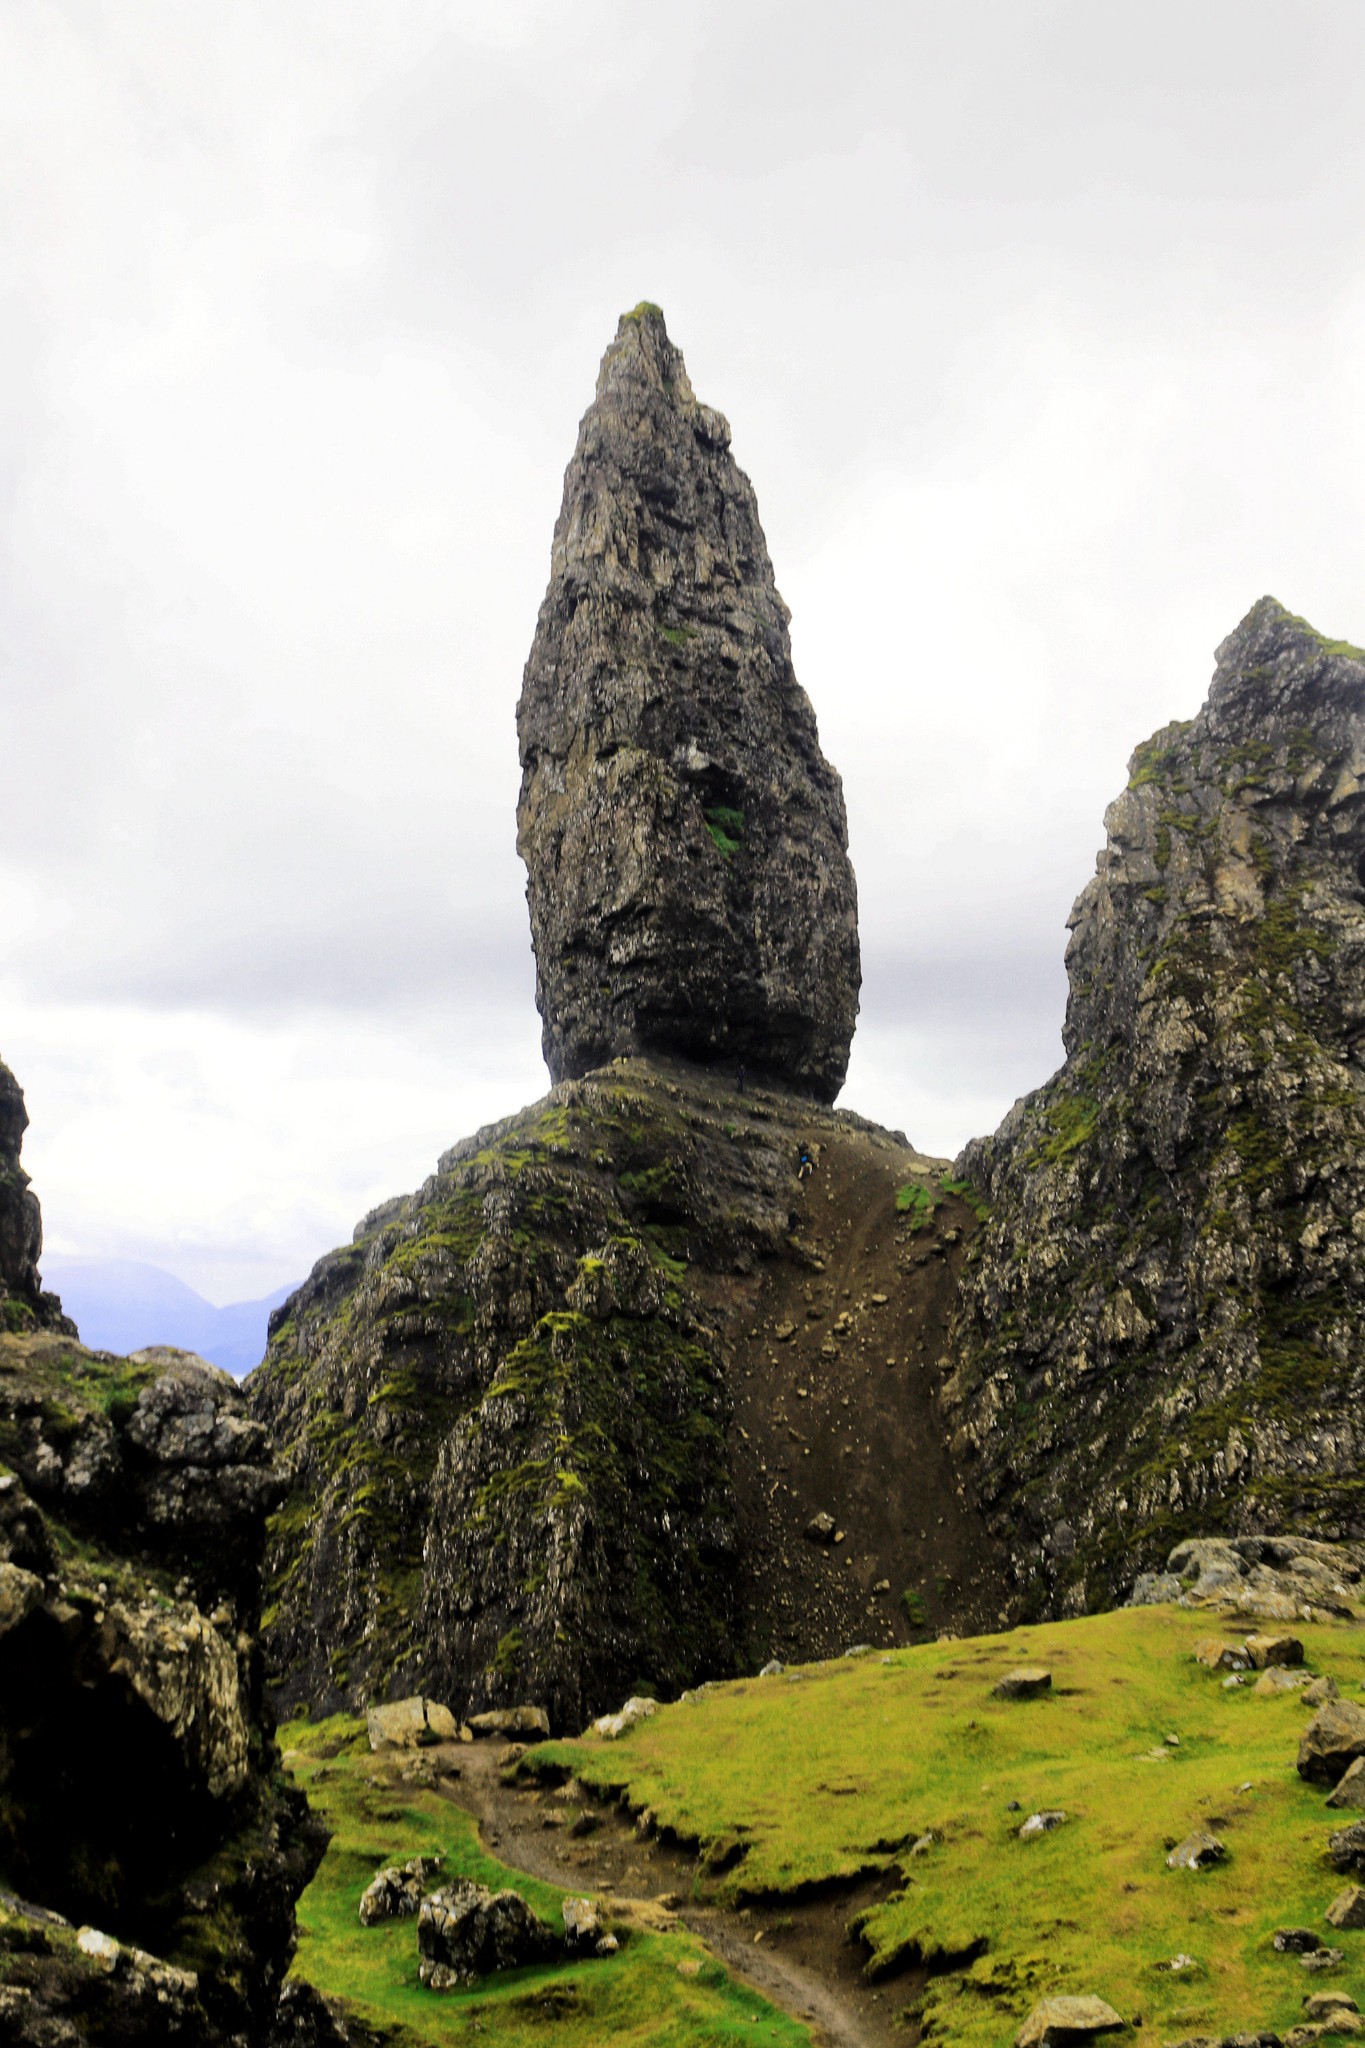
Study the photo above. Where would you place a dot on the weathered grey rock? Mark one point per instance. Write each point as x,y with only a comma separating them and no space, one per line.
1297,1941
1351,1789
1199,1851
1264,1651
1333,1739
23,1303
1348,1908
1319,1691
410,1723
583,1927
1320,2005
1054,2022
684,837
1276,1679
395,1893
1157,1330
1024,1684
1041,1823
531,1722
613,1726
1323,1959
1346,1848
1216,1655
130,1575
466,1932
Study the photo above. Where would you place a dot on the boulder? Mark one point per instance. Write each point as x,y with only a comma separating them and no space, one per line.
395,1893
1056,2022
1216,1655
1320,2005
1297,1941
23,1303
1333,1740
1347,1848
1351,1789
612,1726
466,1932
1323,1959
1320,1691
513,1722
1025,1683
1041,1823
1348,1908
410,1723
684,837
583,1927
1264,1651
1198,1851
1276,1679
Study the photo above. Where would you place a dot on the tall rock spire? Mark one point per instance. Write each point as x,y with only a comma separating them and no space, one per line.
23,1304
684,837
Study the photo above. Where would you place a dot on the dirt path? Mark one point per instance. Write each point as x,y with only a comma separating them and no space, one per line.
835,1357
797,1953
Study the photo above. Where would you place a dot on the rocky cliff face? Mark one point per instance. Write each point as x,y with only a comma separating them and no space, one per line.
23,1304
556,1422
684,836
1159,1330
150,1852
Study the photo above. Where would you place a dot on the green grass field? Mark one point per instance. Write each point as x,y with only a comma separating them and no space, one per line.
822,1775
636,1997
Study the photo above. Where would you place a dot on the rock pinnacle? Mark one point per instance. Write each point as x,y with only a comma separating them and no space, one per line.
684,837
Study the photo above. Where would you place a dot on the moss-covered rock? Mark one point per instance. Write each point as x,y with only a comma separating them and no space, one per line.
507,1412
150,1852
1159,1328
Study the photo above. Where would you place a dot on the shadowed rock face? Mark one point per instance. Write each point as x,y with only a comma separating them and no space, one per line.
684,837
23,1304
1159,1333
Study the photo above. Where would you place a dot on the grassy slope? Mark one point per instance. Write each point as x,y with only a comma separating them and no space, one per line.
636,1997
817,1773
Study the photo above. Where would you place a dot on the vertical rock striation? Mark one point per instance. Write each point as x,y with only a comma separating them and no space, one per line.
684,837
1159,1331
23,1304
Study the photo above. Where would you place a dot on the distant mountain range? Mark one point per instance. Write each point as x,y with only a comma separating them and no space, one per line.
123,1305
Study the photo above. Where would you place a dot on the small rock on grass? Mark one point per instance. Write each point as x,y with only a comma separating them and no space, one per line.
1320,1692
1266,1650
1297,1941
1323,1959
1351,1790
1060,2022
1216,1655
1348,1908
1024,1684
1347,1848
1041,1823
1198,1851
1333,1740
1320,2005
1276,1679
395,1893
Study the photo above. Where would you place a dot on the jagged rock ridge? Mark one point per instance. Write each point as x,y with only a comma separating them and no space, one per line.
542,1416
1159,1328
150,1851
23,1303
684,837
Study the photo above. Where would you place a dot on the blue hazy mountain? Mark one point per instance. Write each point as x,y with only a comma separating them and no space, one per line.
123,1305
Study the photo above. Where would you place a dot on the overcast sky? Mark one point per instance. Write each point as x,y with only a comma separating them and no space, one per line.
1041,331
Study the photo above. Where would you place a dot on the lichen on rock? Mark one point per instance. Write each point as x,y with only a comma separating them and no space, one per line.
684,837
1158,1332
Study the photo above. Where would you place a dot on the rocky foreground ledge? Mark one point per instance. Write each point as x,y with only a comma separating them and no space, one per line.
151,1848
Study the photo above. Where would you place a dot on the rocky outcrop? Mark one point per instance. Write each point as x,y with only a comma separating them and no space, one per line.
23,1303
684,837
153,1849
1158,1333
509,1408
